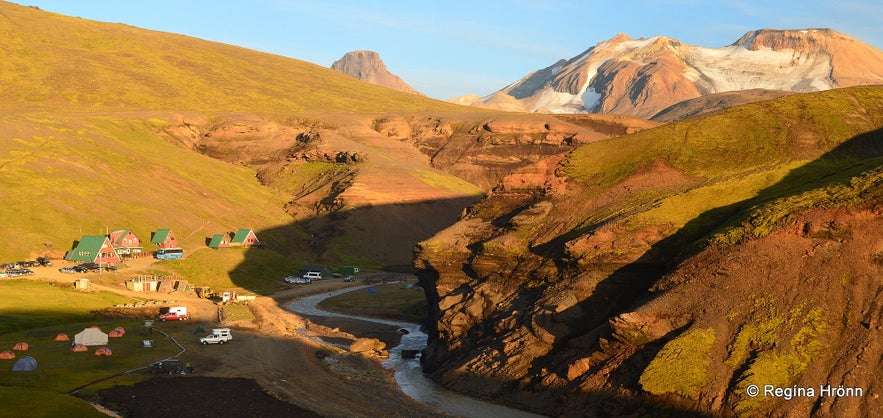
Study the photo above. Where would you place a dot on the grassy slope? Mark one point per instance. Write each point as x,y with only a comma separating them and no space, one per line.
740,153
60,61
79,149
71,176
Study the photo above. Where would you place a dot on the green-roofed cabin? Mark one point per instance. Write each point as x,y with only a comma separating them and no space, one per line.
164,238
93,249
125,242
245,238
219,241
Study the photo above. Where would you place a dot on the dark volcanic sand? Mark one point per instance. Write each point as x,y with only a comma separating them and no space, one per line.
184,396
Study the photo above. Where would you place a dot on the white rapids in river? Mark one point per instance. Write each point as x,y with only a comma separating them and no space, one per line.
408,373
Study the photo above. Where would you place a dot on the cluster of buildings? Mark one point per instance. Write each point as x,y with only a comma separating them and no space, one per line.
121,243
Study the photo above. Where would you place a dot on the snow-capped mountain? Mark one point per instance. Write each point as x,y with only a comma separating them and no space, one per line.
641,77
367,66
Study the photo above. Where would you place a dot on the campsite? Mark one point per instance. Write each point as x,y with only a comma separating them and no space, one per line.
292,370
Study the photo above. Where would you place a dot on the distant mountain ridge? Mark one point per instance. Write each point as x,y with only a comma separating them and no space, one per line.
367,66
641,77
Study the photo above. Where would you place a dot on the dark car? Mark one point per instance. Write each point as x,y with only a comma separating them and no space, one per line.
19,272
43,261
69,270
90,267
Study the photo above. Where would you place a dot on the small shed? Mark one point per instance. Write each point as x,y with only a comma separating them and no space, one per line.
219,241
164,238
245,238
81,284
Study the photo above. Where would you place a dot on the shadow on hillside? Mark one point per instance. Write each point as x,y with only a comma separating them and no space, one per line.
628,286
379,237
389,233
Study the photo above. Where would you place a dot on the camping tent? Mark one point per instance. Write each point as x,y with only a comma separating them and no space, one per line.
103,351
91,336
62,337
20,346
25,364
116,333
121,330
7,355
79,348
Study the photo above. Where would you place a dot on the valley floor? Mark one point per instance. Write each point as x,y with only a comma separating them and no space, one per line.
278,352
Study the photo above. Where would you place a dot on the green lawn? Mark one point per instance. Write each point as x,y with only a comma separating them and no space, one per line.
389,301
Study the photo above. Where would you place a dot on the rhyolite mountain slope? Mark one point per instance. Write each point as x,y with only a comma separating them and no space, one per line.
367,66
110,126
668,270
641,77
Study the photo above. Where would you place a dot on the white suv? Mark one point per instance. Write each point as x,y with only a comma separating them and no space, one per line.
313,275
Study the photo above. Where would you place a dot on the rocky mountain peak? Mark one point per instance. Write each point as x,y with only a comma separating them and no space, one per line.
779,39
641,77
367,66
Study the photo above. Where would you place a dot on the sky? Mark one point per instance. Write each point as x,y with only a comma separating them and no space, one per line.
451,48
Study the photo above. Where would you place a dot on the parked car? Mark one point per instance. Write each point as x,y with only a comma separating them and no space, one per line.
69,270
296,280
19,272
43,261
349,278
312,275
89,267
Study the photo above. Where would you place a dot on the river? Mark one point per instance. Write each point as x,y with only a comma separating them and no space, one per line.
408,373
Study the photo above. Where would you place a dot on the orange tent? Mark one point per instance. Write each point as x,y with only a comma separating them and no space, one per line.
121,330
103,351
79,348
62,337
20,346
115,334
7,355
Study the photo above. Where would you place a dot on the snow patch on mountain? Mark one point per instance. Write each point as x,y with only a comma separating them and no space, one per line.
735,68
644,76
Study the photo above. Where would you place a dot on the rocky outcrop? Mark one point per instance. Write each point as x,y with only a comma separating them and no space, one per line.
578,294
367,66
641,77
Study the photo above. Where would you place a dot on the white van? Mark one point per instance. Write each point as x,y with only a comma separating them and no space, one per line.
312,275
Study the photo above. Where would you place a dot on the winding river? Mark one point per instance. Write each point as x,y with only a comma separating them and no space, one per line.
408,373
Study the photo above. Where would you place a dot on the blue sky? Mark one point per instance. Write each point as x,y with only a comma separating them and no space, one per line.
451,48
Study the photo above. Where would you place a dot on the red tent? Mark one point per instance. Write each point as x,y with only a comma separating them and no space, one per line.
7,355
103,351
62,337
116,333
20,346
79,348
